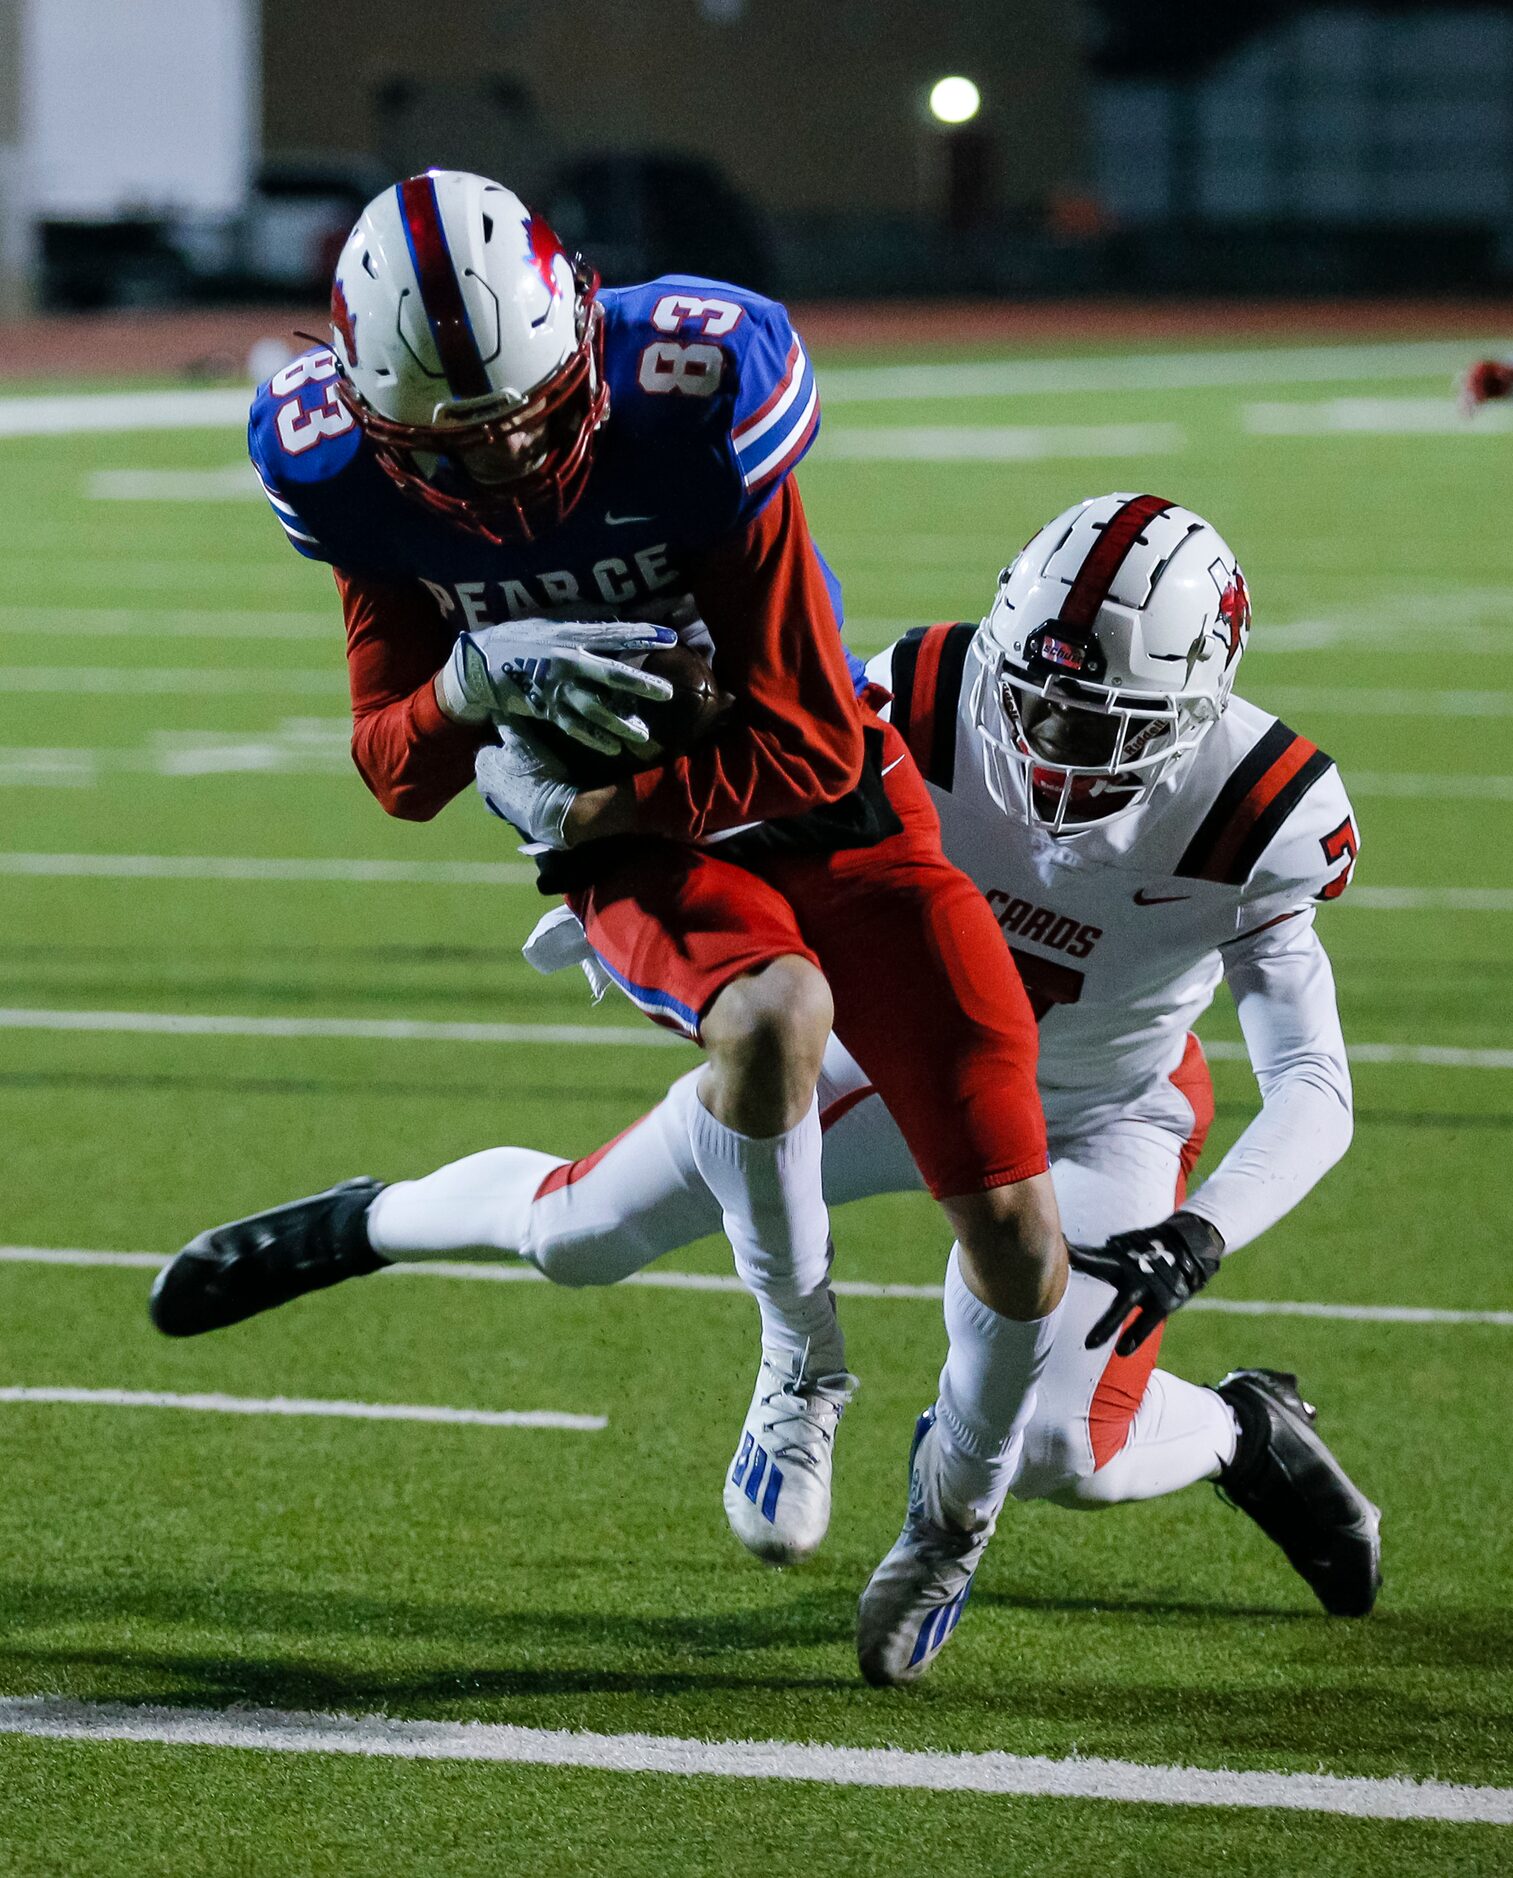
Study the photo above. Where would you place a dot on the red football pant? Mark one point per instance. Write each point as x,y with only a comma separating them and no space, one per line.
926,996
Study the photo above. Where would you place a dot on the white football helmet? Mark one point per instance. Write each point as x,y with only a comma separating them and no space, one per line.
469,348
1109,652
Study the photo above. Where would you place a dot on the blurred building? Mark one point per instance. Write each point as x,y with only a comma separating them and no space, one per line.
172,149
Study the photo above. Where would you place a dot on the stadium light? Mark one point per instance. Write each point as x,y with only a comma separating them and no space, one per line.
954,100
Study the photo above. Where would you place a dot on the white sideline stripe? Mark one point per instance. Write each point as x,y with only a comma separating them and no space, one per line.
516,873
301,1732
168,680
1372,417
1156,371
124,410
999,443
371,1029
517,1272
216,1404
230,482
427,1030
248,867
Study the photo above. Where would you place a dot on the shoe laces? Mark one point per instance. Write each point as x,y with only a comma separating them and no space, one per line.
807,1409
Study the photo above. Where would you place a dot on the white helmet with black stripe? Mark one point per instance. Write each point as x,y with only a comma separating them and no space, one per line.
1109,652
469,349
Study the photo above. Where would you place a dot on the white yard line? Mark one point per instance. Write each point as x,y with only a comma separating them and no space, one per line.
427,1030
125,410
169,680
339,870
1409,788
216,1404
999,443
1156,371
1372,417
118,622
1428,899
218,409
360,1029
302,1732
230,482
489,1271
252,867
1385,701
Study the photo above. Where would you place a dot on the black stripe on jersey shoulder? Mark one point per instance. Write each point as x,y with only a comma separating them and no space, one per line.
1229,802
901,678
948,683
1269,822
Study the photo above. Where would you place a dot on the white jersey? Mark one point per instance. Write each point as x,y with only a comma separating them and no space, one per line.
1122,933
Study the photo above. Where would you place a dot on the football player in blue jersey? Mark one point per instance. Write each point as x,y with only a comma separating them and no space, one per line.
522,483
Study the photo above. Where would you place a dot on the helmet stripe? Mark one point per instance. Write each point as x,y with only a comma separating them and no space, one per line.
1096,575
440,291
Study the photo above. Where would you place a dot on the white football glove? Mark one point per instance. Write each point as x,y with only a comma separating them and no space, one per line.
525,785
559,673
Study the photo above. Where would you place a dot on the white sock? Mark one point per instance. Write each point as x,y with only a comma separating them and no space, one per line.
987,1395
1181,1434
774,1207
478,1205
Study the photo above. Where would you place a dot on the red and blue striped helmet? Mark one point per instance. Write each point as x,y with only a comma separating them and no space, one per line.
470,350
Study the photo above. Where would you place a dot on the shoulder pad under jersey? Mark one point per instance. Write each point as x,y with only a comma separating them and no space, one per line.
925,671
1280,825
307,450
716,366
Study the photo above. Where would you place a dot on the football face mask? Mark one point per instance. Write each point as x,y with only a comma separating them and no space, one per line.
508,468
1108,653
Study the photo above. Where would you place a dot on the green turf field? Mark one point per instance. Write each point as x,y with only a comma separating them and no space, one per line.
173,687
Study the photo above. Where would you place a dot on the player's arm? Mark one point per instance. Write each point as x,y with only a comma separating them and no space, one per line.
794,738
1283,987
1284,991
409,752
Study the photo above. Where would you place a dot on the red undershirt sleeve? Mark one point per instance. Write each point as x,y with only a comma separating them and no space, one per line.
794,737
408,751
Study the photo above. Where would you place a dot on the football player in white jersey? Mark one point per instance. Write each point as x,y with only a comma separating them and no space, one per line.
1140,834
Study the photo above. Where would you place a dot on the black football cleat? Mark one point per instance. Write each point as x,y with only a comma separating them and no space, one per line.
1289,1483
250,1265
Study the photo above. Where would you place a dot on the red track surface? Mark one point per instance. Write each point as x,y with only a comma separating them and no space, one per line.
213,344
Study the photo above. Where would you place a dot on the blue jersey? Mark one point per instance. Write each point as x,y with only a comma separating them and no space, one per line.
712,403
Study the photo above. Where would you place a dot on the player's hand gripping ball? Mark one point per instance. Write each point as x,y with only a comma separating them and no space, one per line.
675,725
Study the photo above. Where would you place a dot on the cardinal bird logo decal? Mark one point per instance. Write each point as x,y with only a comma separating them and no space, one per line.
344,322
542,249
1234,616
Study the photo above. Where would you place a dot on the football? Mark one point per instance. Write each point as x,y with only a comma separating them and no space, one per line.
677,723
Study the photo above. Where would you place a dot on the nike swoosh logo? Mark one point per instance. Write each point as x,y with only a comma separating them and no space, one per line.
1142,898
620,521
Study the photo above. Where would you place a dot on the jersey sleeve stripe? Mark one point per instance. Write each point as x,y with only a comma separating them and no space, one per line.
793,447
948,683
278,502
927,721
1262,792
901,668
770,411
440,294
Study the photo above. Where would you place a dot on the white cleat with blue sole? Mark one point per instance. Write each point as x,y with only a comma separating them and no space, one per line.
915,1598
